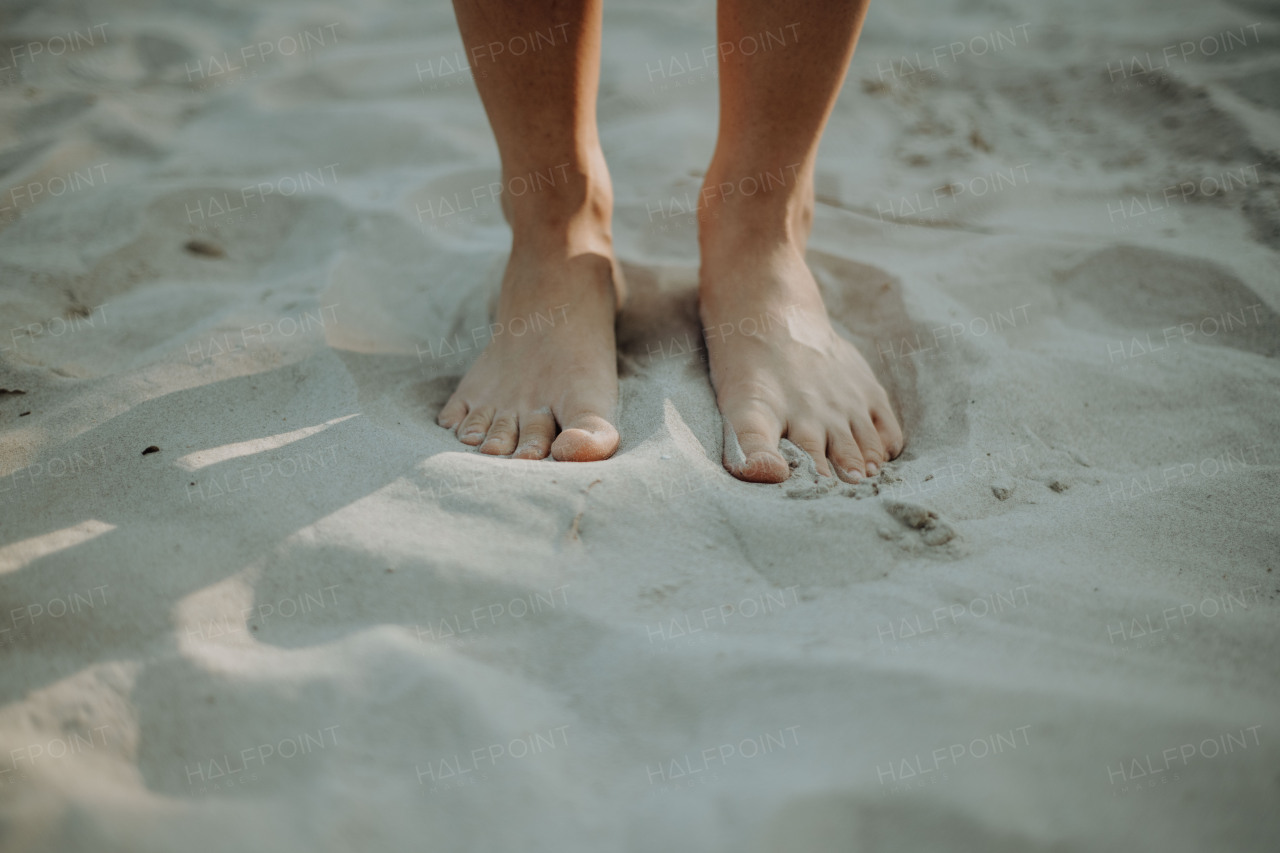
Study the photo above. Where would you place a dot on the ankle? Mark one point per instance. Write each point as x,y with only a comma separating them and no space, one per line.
755,210
736,233
562,205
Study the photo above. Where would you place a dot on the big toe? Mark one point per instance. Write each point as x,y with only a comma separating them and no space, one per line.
762,466
586,438
750,453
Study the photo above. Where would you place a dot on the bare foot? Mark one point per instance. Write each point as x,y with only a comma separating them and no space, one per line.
551,365
777,365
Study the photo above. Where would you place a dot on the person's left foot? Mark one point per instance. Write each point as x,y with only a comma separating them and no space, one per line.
777,365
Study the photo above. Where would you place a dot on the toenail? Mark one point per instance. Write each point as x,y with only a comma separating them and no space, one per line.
853,475
871,469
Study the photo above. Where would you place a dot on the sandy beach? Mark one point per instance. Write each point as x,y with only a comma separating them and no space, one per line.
253,597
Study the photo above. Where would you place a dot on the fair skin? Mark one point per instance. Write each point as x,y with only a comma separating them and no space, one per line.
555,392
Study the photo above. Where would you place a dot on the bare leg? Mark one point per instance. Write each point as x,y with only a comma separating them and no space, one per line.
793,376
542,107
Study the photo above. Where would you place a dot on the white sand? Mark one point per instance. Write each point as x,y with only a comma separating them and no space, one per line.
353,633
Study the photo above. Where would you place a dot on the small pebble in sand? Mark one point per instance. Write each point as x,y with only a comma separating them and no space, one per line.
205,248
151,449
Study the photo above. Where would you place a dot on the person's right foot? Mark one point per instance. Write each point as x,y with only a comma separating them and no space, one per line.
551,365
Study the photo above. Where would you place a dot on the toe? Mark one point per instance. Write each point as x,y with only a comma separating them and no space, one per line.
452,413
476,425
890,432
585,438
864,432
751,448
812,439
501,439
847,458
537,430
